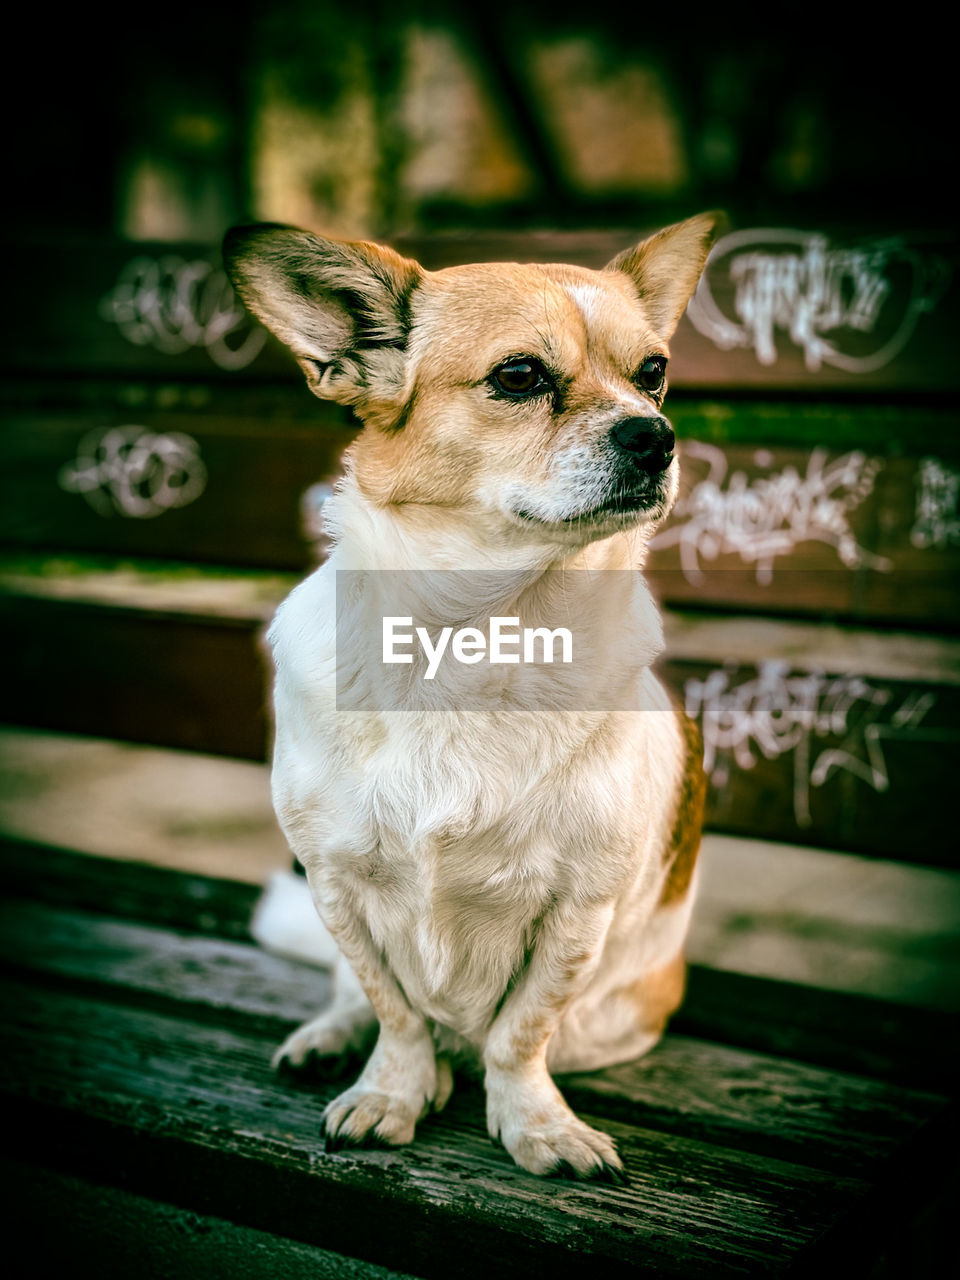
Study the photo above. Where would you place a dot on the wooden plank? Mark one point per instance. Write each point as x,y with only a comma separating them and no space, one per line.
838,921
144,676
847,1032
846,533
720,1095
851,1033
109,307
222,980
108,1232
175,587
208,1127
845,761
869,652
204,905
807,527
162,483
794,753
781,308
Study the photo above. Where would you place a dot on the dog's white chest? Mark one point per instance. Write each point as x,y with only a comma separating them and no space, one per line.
452,885
449,835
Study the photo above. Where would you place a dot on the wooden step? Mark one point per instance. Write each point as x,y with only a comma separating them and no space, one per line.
810,916
845,511
166,311
839,737
110,1232
886,1039
136,1060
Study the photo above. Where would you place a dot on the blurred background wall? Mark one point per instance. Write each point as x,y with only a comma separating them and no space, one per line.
154,437
365,119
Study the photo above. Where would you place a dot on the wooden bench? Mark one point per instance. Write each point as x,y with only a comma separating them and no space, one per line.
143,1118
153,515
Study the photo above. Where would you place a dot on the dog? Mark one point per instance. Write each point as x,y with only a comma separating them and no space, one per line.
503,882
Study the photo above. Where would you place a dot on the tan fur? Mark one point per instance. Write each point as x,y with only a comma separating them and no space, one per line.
685,838
659,994
506,885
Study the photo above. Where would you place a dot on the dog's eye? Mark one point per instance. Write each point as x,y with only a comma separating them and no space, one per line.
520,377
651,373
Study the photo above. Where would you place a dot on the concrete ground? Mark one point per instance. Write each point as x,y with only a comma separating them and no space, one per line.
833,920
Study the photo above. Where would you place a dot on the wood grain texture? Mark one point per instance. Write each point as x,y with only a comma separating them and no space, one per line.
221,981
867,1036
202,905
753,1102
135,1080
192,1114
847,1032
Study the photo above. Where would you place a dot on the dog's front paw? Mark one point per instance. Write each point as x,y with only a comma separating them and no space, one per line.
392,1094
362,1115
543,1135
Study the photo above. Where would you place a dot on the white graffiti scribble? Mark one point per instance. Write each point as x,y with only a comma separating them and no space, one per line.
767,517
936,521
795,282
171,304
777,713
134,472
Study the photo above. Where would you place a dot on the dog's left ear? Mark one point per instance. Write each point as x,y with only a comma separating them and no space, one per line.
666,267
341,306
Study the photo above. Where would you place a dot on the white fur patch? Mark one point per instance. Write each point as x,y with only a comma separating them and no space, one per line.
639,406
587,297
286,922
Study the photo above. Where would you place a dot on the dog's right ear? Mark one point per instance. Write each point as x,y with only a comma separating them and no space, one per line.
341,306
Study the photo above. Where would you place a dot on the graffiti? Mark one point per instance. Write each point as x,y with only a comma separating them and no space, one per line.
795,282
134,472
777,713
171,304
936,521
767,517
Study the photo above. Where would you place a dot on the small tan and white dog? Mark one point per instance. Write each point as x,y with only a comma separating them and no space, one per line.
500,882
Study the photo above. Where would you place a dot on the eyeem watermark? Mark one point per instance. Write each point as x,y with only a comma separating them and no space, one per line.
482,640
470,644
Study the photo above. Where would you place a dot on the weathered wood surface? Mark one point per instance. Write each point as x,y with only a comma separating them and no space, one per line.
846,761
201,905
779,309
192,1114
882,1039
143,675
718,1094
854,515
850,533
794,751
123,1070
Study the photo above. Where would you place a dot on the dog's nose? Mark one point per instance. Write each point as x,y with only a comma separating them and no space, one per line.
647,442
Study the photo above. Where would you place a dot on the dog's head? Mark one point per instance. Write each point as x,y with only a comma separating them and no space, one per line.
529,394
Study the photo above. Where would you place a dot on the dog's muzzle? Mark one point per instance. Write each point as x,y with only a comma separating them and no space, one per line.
645,444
